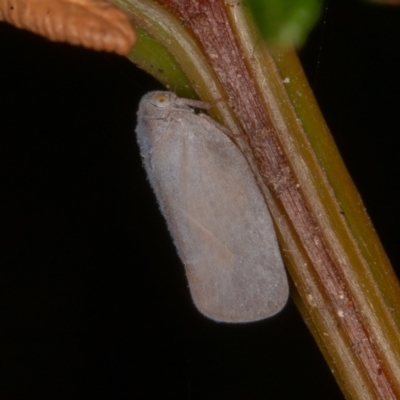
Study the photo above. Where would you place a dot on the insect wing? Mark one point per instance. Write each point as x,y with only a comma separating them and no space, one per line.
218,219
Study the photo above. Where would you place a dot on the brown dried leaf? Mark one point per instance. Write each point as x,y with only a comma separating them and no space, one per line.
95,24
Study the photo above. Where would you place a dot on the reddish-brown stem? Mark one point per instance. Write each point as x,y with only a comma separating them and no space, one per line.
208,21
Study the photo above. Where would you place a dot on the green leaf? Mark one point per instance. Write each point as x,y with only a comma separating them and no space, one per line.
285,22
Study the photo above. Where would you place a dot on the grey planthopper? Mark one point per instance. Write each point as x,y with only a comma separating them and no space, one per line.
214,210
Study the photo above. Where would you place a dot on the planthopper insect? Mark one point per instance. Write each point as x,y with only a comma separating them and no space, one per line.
214,210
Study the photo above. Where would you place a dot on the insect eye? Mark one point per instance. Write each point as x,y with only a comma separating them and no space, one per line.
161,101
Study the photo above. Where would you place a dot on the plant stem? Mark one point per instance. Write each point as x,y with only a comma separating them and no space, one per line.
343,282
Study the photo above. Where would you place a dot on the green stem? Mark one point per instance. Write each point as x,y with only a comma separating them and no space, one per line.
343,282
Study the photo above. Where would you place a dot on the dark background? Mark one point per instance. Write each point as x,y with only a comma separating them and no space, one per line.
94,301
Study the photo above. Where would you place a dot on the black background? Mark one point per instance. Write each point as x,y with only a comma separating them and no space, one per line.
94,301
